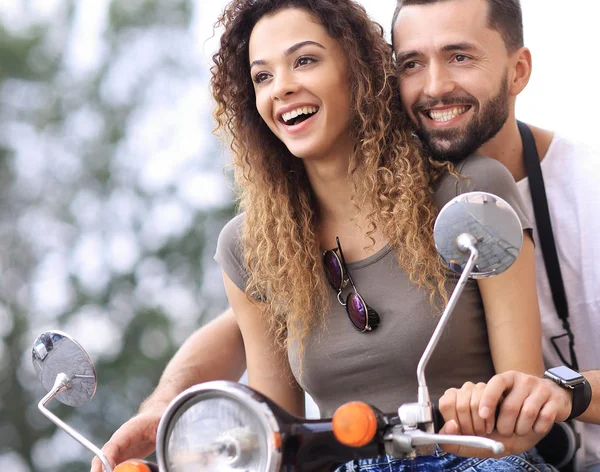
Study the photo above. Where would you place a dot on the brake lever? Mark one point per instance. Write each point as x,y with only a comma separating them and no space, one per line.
420,438
401,442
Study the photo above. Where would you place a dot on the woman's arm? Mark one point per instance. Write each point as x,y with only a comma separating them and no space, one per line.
513,316
268,368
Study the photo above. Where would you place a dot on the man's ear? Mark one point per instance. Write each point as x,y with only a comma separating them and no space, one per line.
521,71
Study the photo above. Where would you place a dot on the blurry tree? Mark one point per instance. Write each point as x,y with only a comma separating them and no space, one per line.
112,198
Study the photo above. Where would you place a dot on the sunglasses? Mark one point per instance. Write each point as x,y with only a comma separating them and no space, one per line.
361,315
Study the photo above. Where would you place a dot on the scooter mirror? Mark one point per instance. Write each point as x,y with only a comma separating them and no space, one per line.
492,222
55,353
477,235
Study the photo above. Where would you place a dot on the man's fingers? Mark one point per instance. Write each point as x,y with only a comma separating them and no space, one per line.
495,390
97,464
545,419
530,411
136,439
510,408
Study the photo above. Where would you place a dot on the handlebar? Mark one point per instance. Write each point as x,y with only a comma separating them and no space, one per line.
357,424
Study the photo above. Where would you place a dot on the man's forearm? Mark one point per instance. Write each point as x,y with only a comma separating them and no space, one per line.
213,352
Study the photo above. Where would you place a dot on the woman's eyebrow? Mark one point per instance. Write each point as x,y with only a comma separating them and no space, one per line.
288,51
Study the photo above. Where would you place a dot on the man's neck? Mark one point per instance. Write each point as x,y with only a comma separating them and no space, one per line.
507,148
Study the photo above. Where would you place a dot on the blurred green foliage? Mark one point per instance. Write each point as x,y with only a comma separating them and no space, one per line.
70,173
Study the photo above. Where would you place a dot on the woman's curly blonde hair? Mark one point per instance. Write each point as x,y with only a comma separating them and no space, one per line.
279,236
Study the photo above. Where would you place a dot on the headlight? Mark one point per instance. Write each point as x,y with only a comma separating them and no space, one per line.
221,427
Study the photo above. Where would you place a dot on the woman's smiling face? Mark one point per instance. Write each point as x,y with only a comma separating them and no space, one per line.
300,76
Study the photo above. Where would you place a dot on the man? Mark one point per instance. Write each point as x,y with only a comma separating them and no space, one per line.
462,65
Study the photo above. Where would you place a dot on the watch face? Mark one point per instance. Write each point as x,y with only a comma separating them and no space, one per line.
565,374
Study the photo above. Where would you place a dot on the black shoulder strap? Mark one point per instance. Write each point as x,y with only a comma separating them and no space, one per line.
546,237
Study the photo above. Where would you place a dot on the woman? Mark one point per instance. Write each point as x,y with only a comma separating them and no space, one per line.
325,162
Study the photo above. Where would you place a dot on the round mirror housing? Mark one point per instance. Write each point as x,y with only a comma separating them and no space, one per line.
491,221
55,353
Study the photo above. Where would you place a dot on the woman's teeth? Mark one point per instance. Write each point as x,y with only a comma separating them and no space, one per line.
291,115
446,115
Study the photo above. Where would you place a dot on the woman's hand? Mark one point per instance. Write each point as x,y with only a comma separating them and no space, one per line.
461,405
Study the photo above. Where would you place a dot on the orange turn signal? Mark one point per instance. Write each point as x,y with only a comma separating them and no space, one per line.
132,465
354,424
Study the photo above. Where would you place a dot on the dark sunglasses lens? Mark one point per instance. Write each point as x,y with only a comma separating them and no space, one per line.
333,270
357,311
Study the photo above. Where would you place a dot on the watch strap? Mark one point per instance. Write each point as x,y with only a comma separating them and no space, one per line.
582,397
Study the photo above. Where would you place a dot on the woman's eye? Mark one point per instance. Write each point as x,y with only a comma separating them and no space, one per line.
260,77
304,60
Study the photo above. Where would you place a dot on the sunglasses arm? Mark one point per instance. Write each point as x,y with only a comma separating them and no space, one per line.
412,414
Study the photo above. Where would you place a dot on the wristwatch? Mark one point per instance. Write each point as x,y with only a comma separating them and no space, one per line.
582,390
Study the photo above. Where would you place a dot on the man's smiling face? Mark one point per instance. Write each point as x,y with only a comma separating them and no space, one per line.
454,72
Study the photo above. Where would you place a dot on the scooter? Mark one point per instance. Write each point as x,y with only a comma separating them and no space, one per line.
225,426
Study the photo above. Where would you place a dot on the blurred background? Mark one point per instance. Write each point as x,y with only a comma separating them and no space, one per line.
113,190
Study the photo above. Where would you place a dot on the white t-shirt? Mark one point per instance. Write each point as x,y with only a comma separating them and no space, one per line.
572,180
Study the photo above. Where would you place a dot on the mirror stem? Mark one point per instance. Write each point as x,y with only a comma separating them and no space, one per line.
465,242
63,382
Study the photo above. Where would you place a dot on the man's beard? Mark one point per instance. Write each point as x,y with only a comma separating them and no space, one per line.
464,142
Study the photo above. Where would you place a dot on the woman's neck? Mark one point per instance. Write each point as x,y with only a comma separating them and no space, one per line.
332,188
337,214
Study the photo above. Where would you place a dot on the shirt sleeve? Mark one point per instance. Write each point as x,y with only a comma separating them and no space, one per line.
484,174
229,252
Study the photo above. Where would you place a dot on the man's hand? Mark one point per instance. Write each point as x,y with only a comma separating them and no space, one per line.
527,407
135,439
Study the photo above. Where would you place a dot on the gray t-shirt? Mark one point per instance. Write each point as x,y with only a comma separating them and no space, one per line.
342,364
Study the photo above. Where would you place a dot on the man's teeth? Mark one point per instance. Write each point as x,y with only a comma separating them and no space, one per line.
290,115
447,115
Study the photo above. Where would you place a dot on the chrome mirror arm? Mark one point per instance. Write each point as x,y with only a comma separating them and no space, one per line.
62,383
421,412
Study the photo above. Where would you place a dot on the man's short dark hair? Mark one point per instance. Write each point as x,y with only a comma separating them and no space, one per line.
504,16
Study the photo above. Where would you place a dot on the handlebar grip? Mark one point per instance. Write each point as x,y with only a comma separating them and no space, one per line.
438,419
134,465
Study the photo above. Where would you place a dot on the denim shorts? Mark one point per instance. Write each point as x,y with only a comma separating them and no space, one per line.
529,461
